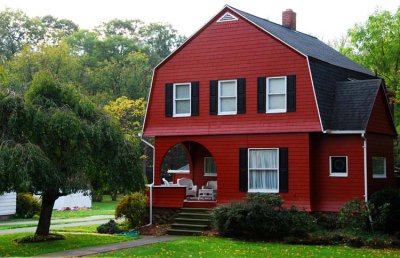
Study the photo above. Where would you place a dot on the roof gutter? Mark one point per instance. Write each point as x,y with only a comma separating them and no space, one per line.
152,183
362,132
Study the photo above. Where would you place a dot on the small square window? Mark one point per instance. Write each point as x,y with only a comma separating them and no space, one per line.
378,167
209,167
338,166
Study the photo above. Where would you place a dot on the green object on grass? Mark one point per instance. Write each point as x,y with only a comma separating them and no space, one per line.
129,233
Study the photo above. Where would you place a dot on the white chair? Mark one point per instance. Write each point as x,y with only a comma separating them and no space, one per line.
212,185
191,190
166,183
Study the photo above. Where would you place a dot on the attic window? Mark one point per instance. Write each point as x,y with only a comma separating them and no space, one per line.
227,17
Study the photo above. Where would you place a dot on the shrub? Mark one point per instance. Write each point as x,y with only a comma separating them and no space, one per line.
325,220
110,227
27,205
385,210
261,216
353,215
133,208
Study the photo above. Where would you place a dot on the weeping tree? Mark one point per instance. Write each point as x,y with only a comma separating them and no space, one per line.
54,141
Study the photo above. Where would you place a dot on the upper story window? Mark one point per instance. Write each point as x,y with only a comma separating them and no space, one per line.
378,167
338,166
276,94
182,99
227,97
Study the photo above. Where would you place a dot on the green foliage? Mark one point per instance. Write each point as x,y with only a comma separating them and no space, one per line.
385,210
27,205
376,45
133,208
110,227
353,215
262,216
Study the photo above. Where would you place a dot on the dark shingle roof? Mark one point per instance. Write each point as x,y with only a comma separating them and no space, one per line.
353,103
304,43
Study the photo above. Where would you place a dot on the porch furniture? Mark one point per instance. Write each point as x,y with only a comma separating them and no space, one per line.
211,185
206,194
191,190
166,183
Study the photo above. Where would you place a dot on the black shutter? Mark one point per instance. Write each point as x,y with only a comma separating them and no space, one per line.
241,94
283,170
261,94
195,99
243,167
214,97
169,89
291,93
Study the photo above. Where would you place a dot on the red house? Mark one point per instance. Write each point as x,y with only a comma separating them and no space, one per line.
261,107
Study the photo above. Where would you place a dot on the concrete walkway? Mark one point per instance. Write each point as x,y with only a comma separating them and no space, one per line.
144,240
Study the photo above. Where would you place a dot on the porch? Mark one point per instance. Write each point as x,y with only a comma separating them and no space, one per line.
186,177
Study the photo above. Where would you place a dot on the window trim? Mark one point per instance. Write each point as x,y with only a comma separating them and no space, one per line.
379,176
267,94
204,167
174,114
338,174
250,190
219,98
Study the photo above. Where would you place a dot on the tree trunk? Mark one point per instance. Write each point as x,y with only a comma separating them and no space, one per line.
48,200
114,196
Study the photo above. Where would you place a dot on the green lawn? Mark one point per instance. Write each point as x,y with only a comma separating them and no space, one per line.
72,241
84,229
222,247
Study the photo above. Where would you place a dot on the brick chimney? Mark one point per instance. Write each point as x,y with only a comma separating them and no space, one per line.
289,19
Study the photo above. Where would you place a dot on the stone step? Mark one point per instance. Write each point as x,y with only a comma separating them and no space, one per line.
196,210
193,221
189,226
194,215
184,232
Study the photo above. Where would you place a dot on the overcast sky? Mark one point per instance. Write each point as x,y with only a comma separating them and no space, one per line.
325,19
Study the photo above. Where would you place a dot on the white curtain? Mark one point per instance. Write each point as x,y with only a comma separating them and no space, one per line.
263,169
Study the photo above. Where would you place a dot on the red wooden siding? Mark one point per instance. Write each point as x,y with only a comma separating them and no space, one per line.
380,120
168,197
232,50
225,150
380,146
330,193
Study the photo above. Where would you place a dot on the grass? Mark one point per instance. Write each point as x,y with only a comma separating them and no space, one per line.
222,247
106,207
5,227
72,241
80,229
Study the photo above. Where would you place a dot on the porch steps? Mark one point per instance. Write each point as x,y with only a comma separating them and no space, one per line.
191,221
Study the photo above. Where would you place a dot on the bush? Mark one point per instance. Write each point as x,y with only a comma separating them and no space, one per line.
353,215
27,205
110,227
385,210
261,216
133,208
325,220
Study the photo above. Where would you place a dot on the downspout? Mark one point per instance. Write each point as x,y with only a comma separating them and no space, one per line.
365,169
366,180
152,183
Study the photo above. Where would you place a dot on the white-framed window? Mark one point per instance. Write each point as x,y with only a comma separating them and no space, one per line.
378,167
338,166
227,97
263,170
276,94
209,167
182,99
